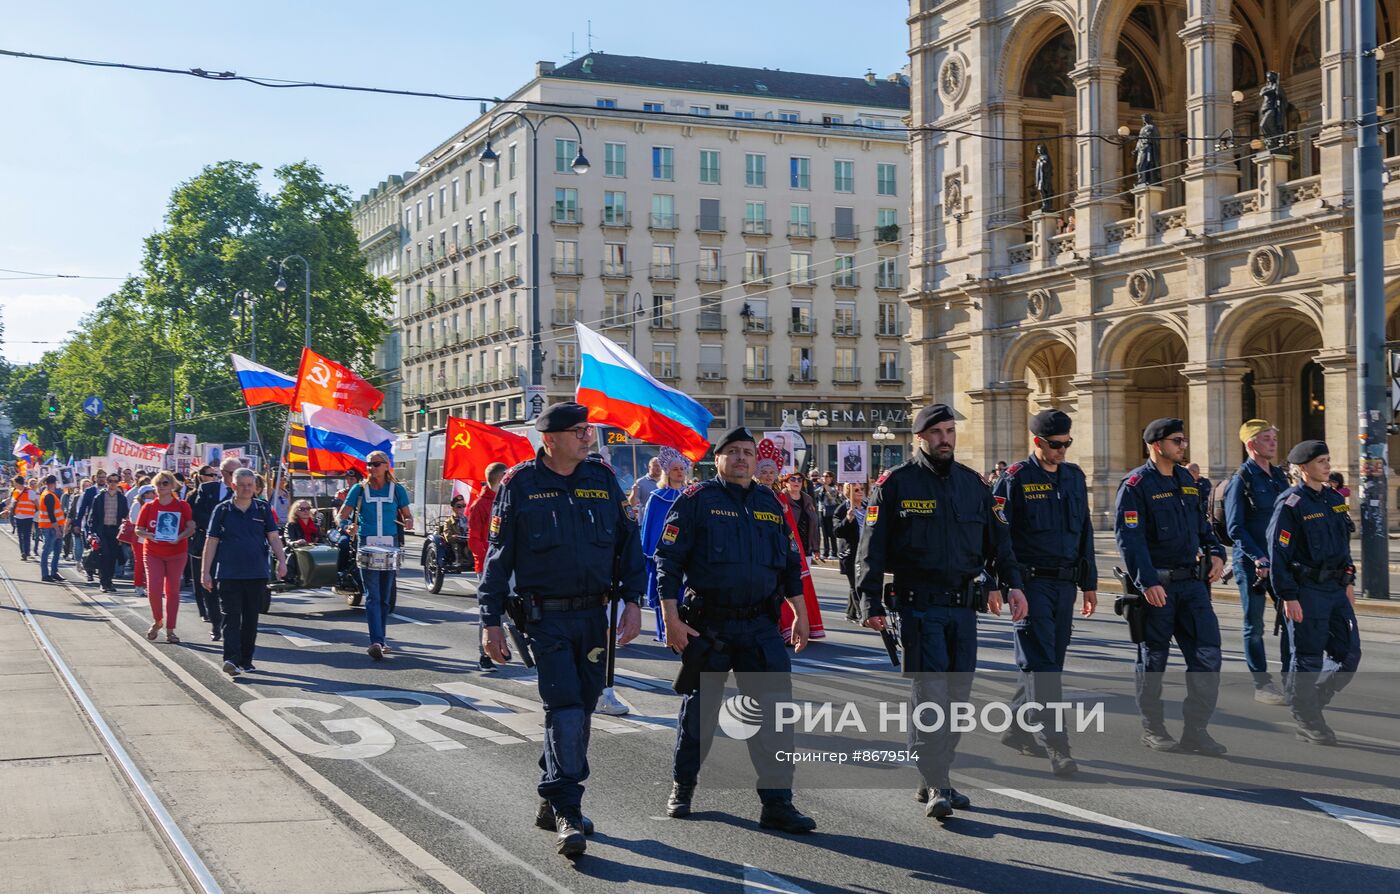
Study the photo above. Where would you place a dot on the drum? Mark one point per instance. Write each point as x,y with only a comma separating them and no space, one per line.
316,565
379,558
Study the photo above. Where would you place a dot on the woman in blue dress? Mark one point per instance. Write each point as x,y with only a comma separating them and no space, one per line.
675,471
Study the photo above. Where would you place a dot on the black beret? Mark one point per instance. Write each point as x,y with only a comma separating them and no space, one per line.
1160,429
931,415
1307,451
739,434
1049,423
561,417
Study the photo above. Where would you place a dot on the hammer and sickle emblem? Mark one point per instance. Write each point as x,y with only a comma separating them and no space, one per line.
319,374
462,440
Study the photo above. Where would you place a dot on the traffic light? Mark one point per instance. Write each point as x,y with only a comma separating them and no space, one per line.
52,405
135,409
189,406
422,406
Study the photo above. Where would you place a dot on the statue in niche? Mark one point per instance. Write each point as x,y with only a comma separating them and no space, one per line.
1273,112
1045,178
1147,154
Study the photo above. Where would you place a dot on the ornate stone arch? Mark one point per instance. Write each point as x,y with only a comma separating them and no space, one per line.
1019,43
1117,340
1238,320
1023,347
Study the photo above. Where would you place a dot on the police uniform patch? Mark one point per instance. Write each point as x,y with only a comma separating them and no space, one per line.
1130,519
999,510
883,475
692,490
1133,479
1290,500
495,525
872,513
1283,537
1014,468
669,534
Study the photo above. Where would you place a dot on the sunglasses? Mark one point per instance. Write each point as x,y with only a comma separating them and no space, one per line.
1059,445
1179,441
377,464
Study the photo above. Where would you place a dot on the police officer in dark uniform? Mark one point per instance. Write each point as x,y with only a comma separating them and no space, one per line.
1309,541
727,539
559,526
934,525
1046,504
1250,495
1162,533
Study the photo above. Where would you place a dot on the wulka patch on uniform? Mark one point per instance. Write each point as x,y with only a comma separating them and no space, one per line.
871,514
1130,519
1283,538
669,534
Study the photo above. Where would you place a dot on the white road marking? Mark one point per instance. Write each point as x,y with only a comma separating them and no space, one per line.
1378,828
1116,823
756,879
407,620
300,640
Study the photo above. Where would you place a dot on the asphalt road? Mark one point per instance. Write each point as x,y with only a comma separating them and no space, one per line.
447,755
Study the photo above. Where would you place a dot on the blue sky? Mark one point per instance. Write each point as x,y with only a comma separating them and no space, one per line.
90,155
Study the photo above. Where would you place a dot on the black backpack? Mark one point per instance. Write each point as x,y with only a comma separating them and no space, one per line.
1217,508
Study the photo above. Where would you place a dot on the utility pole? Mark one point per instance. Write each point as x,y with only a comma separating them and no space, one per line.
1372,373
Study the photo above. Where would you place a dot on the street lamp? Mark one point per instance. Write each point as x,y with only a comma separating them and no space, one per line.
489,158
882,434
245,302
636,315
816,420
281,286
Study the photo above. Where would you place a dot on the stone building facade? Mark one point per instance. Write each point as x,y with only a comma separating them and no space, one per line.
1222,292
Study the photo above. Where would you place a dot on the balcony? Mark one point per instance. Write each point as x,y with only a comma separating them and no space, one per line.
803,376
801,327
709,372
566,267
845,279
710,321
616,218
761,373
843,328
754,227
483,239
665,372
615,319
706,273
886,375
887,234
662,323
707,223
889,280
754,323
802,279
510,272
615,269
890,329
510,221
497,230
664,273
567,370
657,221
564,215
844,232
564,316
757,278
845,375
800,230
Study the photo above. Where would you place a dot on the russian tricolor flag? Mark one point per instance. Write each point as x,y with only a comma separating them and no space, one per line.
262,385
618,391
338,442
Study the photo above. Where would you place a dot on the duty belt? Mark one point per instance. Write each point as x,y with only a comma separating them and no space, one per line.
716,613
1322,575
1183,572
1068,572
920,599
573,603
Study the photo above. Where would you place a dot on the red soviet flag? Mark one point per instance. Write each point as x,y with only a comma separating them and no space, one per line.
472,446
325,383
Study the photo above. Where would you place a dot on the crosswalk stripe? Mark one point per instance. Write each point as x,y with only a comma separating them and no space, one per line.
1377,827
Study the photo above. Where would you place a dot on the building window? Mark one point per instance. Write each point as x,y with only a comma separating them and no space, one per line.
711,360
845,226
662,167
614,208
889,318
792,117
843,270
743,114
889,367
755,169
663,212
755,266
800,268
565,206
756,363
845,176
663,361
565,151
801,369
566,360
607,103
512,157
614,159
653,107
886,217
845,370
710,219
800,172
884,180
756,218
831,120
700,110
456,188
709,166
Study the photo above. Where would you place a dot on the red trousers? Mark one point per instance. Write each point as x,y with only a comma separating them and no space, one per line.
163,580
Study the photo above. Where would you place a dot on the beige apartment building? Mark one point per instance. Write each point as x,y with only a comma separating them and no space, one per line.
1223,292
740,230
378,225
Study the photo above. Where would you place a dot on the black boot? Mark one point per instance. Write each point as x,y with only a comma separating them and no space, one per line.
941,807
569,842
1317,733
678,805
544,818
781,815
958,799
1159,740
1200,742
1061,764
1022,741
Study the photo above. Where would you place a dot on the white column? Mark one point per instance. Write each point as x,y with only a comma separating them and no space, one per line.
1208,37
1098,162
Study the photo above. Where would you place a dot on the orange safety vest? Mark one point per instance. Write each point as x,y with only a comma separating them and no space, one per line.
24,503
59,519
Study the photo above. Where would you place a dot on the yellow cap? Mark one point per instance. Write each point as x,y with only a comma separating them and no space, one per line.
1252,428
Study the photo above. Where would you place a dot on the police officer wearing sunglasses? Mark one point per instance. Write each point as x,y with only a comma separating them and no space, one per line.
1046,504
